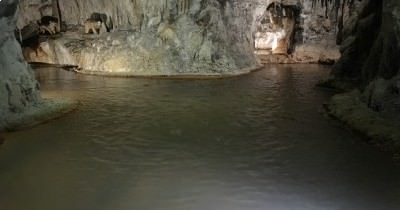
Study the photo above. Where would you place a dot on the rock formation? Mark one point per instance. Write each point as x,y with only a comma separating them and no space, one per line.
157,37
18,88
370,64
20,100
303,32
277,33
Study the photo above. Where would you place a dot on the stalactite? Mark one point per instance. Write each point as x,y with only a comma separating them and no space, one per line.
338,6
183,6
57,13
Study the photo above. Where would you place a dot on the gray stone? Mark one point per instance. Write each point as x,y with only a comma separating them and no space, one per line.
18,87
204,37
20,100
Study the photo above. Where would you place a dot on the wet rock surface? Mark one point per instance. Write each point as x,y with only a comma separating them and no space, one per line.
317,53
19,91
177,36
351,109
370,63
18,88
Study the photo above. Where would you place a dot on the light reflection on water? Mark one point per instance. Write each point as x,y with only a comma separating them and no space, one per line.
251,142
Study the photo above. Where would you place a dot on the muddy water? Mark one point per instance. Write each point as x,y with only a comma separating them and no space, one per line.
251,142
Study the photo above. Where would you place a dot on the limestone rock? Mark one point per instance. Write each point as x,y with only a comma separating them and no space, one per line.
310,32
18,88
156,37
370,63
20,101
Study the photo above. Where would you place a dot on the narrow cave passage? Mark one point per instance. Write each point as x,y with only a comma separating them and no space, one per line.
276,29
288,32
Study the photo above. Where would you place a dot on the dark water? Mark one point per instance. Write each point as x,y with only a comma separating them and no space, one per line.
252,142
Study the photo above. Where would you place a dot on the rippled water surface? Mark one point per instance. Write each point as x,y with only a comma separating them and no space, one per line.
251,142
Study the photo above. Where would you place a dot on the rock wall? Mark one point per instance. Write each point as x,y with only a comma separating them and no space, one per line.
160,36
201,31
380,72
315,24
369,66
21,105
360,34
314,33
18,88
370,56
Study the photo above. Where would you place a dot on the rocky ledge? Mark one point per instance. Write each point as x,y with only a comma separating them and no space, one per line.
351,109
321,53
158,39
40,112
370,67
125,53
21,104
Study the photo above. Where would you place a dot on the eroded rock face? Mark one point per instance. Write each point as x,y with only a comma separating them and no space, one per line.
18,88
383,96
307,33
21,105
160,37
359,36
370,62
276,30
197,36
370,55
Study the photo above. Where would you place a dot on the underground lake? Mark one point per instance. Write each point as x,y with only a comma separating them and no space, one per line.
258,141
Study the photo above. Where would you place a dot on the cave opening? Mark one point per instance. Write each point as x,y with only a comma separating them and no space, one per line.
292,32
275,33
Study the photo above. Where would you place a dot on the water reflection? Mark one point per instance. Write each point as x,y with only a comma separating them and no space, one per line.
251,142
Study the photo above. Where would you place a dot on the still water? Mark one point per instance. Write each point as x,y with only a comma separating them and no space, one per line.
253,142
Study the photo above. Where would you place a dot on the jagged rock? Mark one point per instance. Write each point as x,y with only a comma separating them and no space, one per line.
370,62
19,91
352,110
158,37
326,61
383,96
18,88
216,35
307,37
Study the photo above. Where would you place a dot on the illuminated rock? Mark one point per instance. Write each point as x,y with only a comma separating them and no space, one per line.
20,101
156,37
